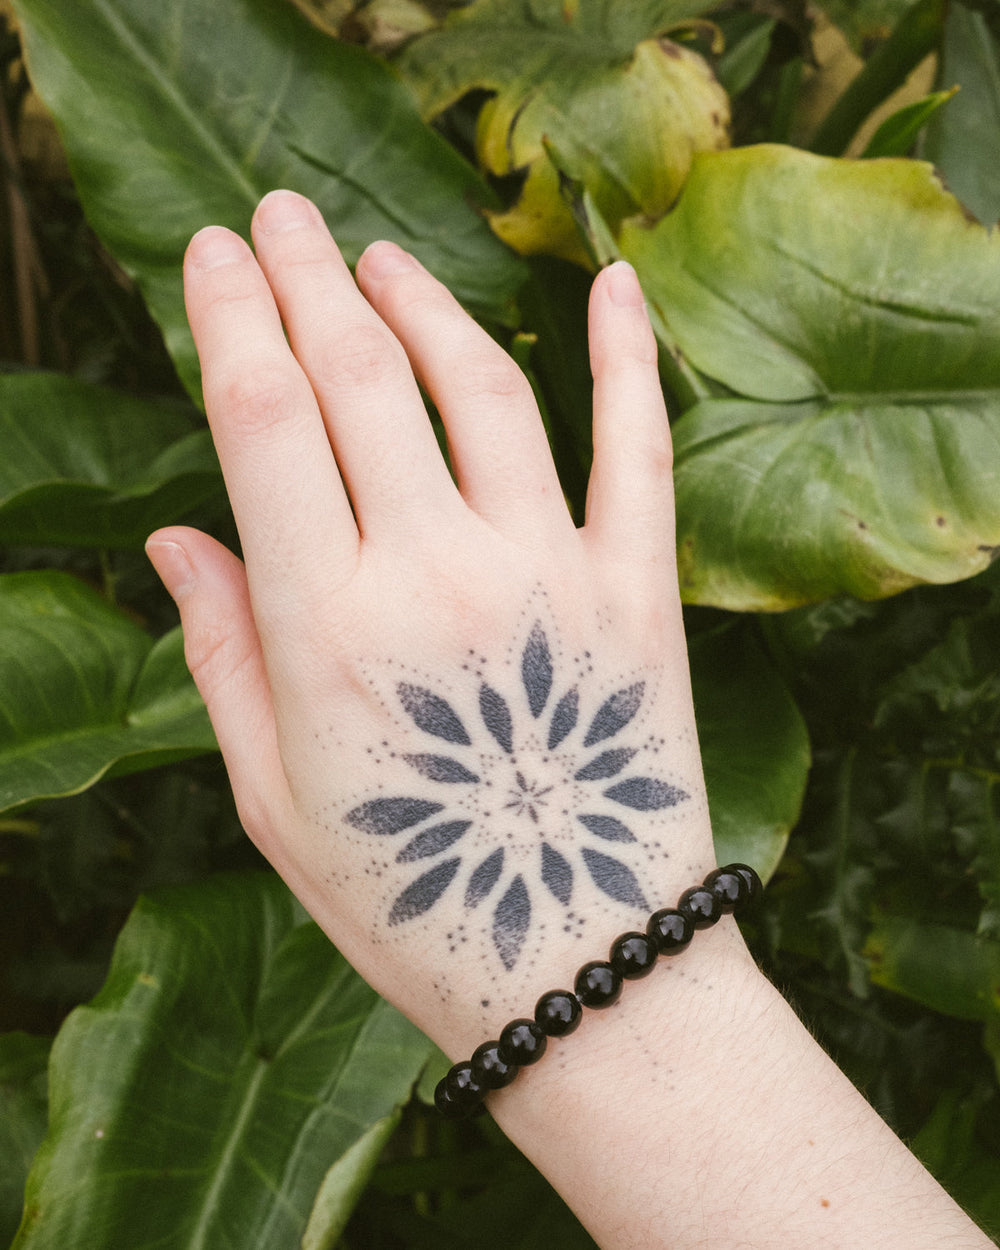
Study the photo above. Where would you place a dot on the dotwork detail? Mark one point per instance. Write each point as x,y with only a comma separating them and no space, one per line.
508,812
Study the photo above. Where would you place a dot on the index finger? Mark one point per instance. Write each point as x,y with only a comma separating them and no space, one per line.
294,519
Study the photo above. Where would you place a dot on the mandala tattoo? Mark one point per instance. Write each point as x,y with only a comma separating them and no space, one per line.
540,787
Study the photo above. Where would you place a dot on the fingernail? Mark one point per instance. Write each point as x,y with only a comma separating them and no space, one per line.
173,566
279,211
214,246
623,285
384,258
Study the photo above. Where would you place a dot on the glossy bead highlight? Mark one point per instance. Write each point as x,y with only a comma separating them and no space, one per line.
633,955
522,1042
558,1013
598,985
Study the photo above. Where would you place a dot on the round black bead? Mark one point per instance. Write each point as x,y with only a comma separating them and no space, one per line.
462,1086
522,1042
729,888
755,887
671,930
443,1102
598,984
558,1012
450,1107
700,906
633,955
488,1069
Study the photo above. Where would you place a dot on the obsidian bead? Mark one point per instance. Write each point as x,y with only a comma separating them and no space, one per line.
729,888
443,1102
755,887
451,1107
671,930
462,1086
522,1042
597,984
558,1012
700,906
633,955
488,1069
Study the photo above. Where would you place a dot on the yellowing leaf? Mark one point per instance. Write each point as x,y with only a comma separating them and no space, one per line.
623,105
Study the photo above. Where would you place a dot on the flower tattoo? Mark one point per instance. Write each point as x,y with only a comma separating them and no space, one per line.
539,788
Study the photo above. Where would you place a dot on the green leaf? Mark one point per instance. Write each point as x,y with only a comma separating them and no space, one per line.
947,969
23,1113
230,1060
865,22
83,690
623,105
962,139
343,1184
754,746
898,133
748,43
856,310
177,115
87,466
947,1145
915,36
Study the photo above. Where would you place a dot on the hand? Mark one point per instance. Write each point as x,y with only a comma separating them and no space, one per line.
458,726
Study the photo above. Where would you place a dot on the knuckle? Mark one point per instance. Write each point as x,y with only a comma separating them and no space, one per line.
213,658
257,399
497,377
361,356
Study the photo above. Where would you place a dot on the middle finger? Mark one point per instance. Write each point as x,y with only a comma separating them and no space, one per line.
381,436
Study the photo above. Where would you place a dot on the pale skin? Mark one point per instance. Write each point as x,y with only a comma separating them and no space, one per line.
461,729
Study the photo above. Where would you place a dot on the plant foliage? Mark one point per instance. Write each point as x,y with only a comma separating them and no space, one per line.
181,1057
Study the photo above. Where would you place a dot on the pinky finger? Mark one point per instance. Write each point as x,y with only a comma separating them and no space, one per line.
222,649
630,503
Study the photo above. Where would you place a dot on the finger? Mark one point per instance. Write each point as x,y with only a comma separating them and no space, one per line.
223,652
496,440
630,501
294,519
378,426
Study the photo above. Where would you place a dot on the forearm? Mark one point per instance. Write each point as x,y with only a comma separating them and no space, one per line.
710,1117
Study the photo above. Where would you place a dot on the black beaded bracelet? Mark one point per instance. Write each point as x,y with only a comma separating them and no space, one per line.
598,984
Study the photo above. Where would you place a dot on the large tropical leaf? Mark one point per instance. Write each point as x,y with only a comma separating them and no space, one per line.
87,466
177,114
854,311
23,1113
948,969
962,140
623,107
231,1060
754,746
83,690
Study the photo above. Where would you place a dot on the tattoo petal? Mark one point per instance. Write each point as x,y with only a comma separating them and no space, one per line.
432,841
440,768
496,716
616,879
606,827
615,713
510,922
564,718
645,794
424,892
484,878
557,873
433,714
385,816
607,764
536,669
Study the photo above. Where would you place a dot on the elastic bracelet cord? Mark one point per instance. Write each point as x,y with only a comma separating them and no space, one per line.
598,984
